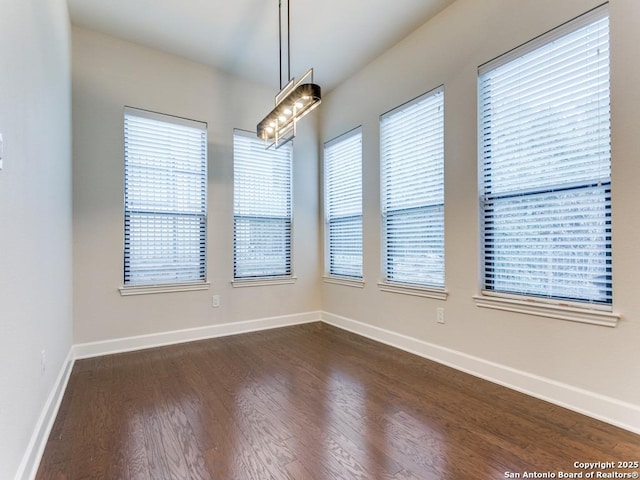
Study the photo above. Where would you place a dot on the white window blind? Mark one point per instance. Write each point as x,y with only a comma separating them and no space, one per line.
412,161
165,199
343,204
261,208
546,166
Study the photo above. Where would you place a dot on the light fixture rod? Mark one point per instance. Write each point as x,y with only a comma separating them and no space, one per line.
280,40
288,41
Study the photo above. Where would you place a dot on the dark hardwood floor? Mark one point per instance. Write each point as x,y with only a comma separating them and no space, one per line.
308,402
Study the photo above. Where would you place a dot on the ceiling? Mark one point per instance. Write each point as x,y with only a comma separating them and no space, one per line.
335,37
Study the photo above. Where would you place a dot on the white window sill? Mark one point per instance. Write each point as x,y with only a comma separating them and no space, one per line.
346,281
428,292
171,288
262,281
572,311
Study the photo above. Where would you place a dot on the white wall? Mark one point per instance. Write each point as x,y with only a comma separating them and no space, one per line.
447,50
107,75
35,215
35,199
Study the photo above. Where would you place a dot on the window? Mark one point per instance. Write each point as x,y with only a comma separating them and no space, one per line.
412,161
165,199
343,204
261,208
546,166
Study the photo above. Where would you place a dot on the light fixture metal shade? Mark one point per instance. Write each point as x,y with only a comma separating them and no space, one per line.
279,125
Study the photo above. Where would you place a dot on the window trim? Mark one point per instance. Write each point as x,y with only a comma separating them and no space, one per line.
595,314
328,276
201,284
263,280
583,311
345,281
415,290
386,284
168,288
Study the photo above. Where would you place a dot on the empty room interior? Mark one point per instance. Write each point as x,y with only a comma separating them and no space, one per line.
418,260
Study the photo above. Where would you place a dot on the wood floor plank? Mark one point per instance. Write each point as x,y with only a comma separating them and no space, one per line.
309,402
342,418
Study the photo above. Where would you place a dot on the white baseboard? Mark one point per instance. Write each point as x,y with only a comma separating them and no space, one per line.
128,344
31,459
610,410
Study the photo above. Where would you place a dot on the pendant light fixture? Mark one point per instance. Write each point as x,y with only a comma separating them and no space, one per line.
294,101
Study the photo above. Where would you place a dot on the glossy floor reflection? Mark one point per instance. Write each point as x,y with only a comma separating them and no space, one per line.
307,402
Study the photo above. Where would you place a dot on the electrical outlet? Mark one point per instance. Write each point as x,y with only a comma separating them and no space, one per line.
440,315
215,302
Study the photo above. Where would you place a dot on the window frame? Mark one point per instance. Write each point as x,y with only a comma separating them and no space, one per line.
333,277
134,288
431,290
276,278
567,308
